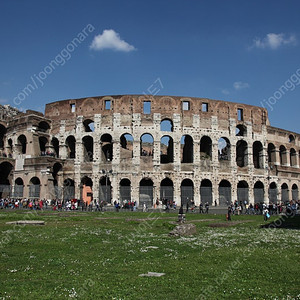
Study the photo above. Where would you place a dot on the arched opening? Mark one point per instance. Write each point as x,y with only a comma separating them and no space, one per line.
43,142
258,155
6,170
242,154
224,149
271,153
34,188
241,130
206,192
166,150
293,157
22,143
284,193
166,125
89,125
166,190
126,142
259,192
57,167
291,138
105,188
43,126
125,190
19,188
146,192
69,189
55,145
273,192
224,193
295,193
10,147
283,155
71,146
86,190
187,151
107,147
88,148
243,192
205,148
187,191
146,145
2,135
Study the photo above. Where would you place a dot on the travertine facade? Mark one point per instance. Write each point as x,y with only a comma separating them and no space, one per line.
147,147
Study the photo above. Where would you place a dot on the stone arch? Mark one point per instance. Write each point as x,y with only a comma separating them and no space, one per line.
71,146
224,148
68,189
146,145
106,147
241,130
283,155
105,187
19,188
225,198
88,148
2,135
126,142
166,149
34,188
43,142
125,190
242,153
55,145
89,125
243,192
146,192
258,155
295,192
43,126
166,125
273,192
259,192
206,192
284,193
187,191
21,144
271,153
205,148
187,149
6,171
167,190
293,157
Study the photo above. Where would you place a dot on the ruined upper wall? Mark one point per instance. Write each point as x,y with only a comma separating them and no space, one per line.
166,106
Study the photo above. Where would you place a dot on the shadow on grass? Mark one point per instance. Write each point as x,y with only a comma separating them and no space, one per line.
285,221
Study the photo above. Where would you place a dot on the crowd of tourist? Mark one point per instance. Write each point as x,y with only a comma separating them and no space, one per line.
235,208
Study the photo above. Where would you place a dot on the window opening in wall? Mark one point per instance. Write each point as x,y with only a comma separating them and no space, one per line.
205,107
107,104
291,139
185,105
240,114
147,107
72,107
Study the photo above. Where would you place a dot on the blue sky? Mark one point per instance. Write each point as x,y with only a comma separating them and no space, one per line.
240,51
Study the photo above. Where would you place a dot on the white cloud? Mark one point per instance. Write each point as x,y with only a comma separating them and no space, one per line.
238,85
274,41
110,39
225,92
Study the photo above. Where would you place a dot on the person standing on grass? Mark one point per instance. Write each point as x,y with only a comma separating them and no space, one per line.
229,213
201,211
206,207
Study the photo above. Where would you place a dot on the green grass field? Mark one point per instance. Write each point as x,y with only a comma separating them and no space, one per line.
93,255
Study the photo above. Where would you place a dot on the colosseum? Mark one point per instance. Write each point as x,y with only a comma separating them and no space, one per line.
144,148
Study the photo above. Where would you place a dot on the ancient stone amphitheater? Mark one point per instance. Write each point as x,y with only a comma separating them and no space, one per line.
143,148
